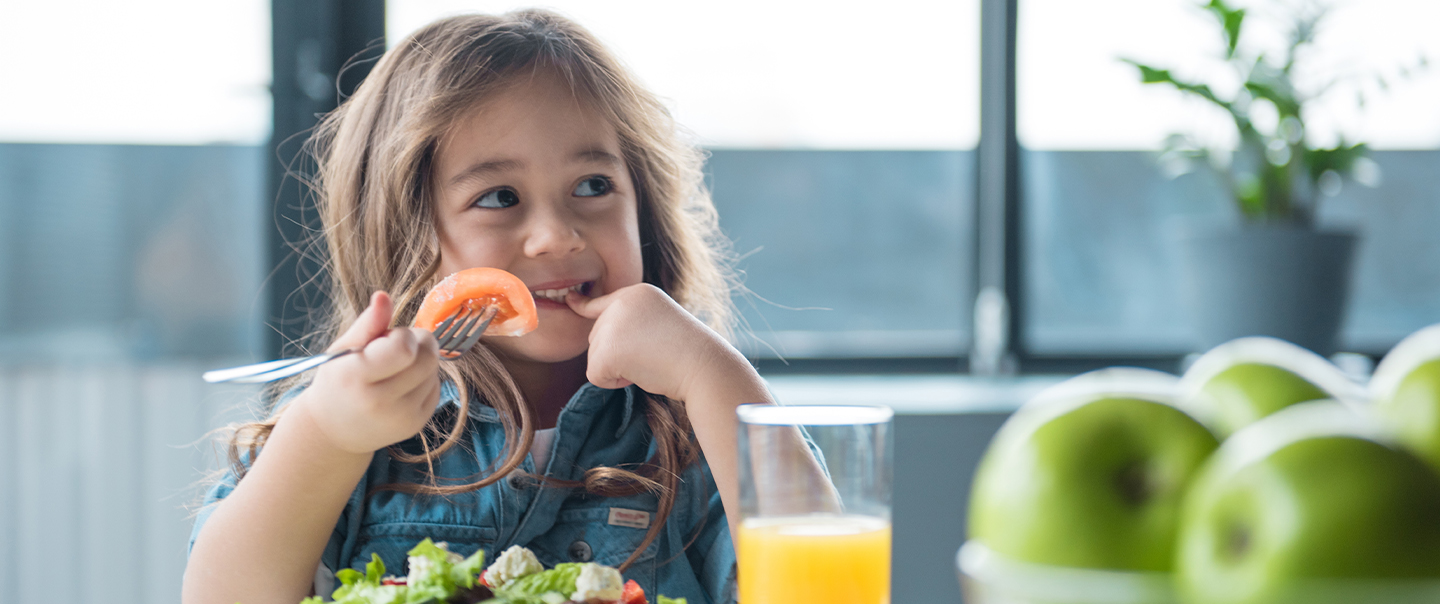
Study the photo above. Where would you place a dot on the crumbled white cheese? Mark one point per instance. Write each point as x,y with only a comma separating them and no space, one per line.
598,582
512,564
421,567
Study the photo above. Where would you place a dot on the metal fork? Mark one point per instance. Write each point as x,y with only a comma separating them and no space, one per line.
456,334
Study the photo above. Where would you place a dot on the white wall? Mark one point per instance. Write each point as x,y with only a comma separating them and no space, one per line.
98,465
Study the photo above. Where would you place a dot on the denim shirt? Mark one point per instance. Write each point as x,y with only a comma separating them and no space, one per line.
598,427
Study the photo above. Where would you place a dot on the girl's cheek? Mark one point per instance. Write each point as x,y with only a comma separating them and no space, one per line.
467,250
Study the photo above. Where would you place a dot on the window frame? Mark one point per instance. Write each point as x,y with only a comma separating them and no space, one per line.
331,37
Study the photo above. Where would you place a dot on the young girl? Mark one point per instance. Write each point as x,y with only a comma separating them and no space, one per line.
607,434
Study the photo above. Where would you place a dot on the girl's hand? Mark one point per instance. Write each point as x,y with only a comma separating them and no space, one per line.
382,394
642,336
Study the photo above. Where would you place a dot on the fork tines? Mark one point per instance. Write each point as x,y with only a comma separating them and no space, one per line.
462,330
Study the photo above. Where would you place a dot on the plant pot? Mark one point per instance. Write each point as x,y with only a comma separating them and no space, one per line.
1281,281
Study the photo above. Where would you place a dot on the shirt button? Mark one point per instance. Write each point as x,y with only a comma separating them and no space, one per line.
580,552
516,481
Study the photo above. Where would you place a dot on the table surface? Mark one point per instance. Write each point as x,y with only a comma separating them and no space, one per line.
912,394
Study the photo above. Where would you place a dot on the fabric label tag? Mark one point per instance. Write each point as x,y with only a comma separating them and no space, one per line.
631,518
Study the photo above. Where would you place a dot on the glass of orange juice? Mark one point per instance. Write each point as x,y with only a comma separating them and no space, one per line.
815,484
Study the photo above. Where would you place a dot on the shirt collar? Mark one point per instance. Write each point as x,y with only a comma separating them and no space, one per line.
589,398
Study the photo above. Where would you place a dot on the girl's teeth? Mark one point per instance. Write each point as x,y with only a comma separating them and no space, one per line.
557,295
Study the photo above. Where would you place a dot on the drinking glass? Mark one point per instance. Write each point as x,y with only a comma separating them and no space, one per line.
815,484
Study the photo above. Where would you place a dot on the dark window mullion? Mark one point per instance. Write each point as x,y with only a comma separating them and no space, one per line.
311,41
999,307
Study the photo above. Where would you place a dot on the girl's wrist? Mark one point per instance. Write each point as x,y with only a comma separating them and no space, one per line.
301,422
726,377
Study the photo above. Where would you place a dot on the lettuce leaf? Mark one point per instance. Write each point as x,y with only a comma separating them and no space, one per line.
530,588
373,594
665,600
440,583
360,589
444,577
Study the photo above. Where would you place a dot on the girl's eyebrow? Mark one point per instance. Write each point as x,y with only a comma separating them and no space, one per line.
598,156
485,168
593,155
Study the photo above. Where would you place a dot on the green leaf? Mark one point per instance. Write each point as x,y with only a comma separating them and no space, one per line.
560,579
356,587
1153,75
1285,101
1251,195
444,576
372,594
1340,158
427,549
665,600
1230,19
415,594
375,570
515,599
465,573
349,576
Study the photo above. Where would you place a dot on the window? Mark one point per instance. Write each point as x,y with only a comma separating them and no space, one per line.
132,215
1099,258
841,156
131,177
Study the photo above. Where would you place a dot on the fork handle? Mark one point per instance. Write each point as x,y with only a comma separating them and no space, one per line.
270,371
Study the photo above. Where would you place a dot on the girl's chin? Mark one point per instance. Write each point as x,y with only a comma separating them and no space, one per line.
561,339
536,351
548,354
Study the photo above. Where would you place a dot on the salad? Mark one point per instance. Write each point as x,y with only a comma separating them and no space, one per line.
438,575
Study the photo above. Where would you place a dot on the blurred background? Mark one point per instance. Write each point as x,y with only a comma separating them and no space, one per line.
144,223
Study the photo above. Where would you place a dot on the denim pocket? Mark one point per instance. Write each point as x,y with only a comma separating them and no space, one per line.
587,534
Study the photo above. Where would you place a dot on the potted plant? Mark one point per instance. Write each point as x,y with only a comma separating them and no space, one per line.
1279,274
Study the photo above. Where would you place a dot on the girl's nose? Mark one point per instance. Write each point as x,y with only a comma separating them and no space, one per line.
552,232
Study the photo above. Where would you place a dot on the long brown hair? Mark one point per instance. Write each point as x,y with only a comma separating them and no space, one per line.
375,196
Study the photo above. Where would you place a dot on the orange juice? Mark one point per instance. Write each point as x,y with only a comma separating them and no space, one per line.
814,559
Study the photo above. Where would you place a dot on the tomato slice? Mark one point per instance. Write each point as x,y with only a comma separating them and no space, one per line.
474,288
633,594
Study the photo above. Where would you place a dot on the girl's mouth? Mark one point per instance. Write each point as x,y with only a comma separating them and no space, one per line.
558,295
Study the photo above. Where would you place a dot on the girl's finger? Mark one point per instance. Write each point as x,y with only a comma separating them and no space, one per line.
587,307
422,367
390,355
425,398
422,396
608,383
371,324
599,373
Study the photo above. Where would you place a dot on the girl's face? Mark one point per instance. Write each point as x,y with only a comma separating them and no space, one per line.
532,181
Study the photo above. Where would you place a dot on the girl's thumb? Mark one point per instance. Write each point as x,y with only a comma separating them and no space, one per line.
371,324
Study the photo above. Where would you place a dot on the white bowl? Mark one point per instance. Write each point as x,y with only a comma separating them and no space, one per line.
987,577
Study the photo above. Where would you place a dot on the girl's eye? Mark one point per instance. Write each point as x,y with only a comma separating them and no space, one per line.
499,198
594,186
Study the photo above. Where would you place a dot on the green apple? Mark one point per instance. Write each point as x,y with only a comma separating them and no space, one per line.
1090,474
1241,381
1307,506
1406,393
1245,392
